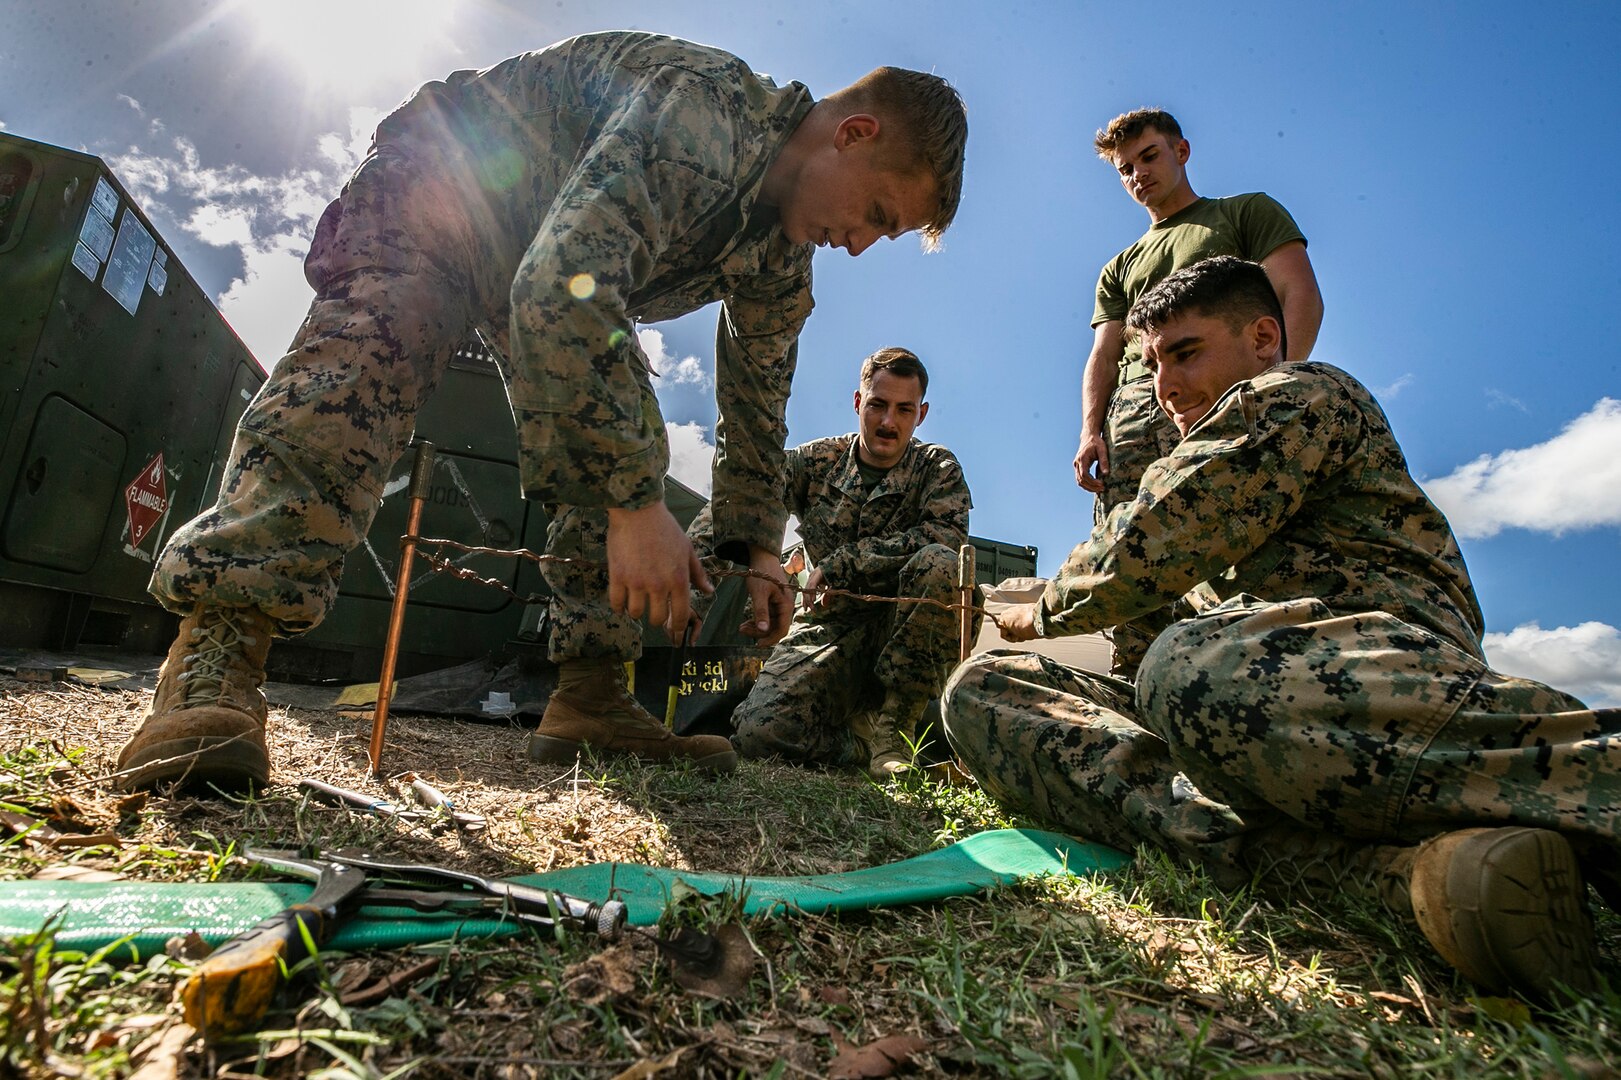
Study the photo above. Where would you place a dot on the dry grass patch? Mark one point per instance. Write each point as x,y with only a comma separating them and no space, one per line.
1144,973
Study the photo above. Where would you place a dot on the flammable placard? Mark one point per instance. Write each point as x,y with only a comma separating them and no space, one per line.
147,497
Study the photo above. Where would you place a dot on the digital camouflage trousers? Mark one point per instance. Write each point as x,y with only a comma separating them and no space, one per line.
829,670
1255,714
1138,433
399,284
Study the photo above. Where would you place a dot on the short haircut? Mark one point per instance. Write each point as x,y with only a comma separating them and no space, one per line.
931,122
896,361
1235,291
1127,126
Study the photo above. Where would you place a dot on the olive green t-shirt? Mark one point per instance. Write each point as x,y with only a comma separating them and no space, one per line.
1249,226
871,475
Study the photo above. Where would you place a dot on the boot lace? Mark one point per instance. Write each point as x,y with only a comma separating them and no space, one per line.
214,656
1306,864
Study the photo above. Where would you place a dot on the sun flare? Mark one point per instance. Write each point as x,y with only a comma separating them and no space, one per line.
356,46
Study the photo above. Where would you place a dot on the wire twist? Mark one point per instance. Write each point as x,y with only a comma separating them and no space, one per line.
439,563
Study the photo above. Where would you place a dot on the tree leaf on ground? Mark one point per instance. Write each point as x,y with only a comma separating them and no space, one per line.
651,1066
189,947
609,974
75,872
950,773
166,1058
881,1057
364,993
1511,1011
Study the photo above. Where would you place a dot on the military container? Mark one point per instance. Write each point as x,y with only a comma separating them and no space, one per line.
997,560
120,385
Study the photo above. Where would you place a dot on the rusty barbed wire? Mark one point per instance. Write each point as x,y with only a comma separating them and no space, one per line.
438,563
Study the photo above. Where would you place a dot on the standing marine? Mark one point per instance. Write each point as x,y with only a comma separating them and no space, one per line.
1122,427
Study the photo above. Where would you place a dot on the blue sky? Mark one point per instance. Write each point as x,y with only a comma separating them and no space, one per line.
1444,161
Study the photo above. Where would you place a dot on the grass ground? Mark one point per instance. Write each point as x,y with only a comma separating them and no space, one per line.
1146,972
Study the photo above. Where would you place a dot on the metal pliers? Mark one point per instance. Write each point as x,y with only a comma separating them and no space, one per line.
231,989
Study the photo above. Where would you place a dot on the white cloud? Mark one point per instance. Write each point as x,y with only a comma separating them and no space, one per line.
268,219
688,371
221,226
343,153
1572,481
692,456
1388,393
652,343
1582,660
266,304
1496,397
132,103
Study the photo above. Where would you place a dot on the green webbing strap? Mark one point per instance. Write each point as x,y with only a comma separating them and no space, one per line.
96,914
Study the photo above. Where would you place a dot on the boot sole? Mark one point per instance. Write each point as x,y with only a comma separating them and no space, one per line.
548,750
196,764
1522,908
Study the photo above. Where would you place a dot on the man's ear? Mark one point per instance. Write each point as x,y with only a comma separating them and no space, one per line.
922,412
858,401
854,129
1183,151
1266,336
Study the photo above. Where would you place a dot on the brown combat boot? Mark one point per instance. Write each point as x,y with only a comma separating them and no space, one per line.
592,707
889,735
1506,906
1508,909
207,724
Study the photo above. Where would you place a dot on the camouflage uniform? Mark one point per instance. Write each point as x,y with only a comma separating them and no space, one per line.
1334,678
547,201
900,539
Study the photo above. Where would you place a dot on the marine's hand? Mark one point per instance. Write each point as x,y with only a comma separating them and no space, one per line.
1017,623
651,565
772,602
814,597
1092,452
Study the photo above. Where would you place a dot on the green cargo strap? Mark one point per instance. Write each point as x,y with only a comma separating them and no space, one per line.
94,915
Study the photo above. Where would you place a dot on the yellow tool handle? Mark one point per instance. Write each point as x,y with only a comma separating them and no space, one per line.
231,989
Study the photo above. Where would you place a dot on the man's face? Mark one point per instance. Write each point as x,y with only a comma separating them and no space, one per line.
1152,167
890,410
844,197
1198,358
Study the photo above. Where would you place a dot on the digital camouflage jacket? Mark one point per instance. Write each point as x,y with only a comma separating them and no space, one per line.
1292,486
861,540
609,178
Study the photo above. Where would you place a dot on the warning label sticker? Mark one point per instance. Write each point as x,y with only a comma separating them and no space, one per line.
86,261
129,262
147,499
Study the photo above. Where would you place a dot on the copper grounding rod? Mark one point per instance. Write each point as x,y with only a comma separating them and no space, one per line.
420,489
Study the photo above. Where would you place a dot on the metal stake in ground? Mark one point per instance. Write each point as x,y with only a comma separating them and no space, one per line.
965,597
421,486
